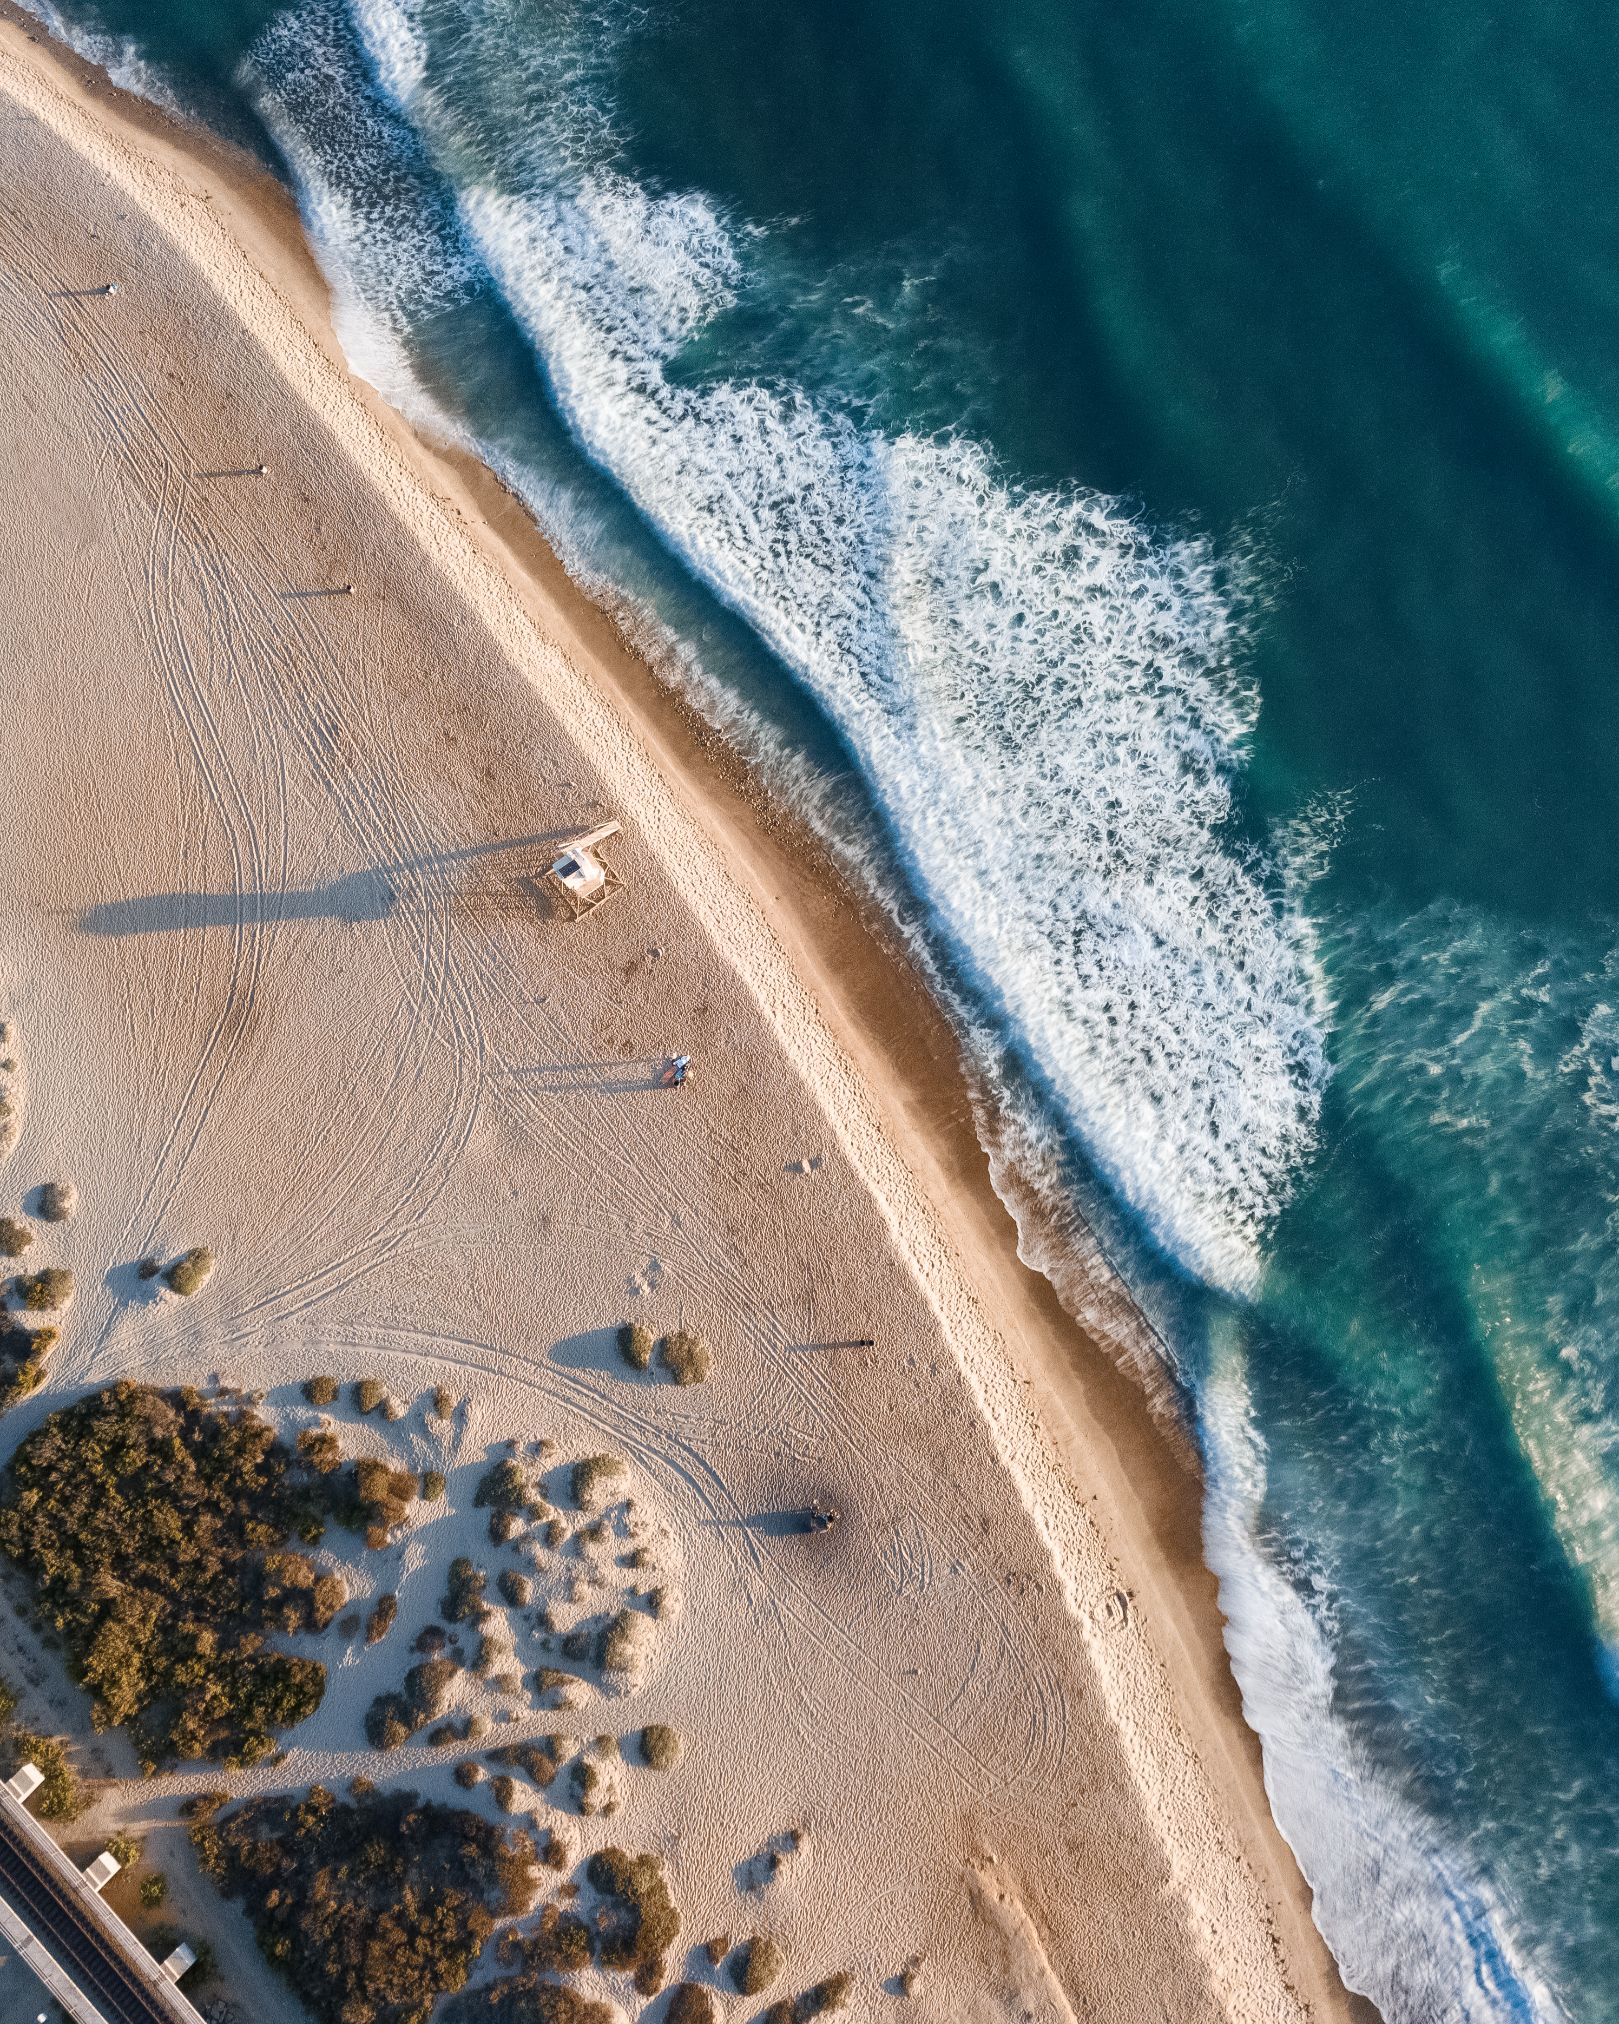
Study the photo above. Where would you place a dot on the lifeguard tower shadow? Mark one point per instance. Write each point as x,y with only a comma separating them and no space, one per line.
373,893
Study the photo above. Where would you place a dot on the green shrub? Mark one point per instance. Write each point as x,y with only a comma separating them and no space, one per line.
369,1393
635,1345
505,1791
660,1746
516,1588
124,1849
154,1889
46,1291
467,1773
687,1357
637,1922
23,1353
432,1486
831,1994
148,1523
560,1945
595,1480
59,1797
190,1271
15,1237
319,1449
759,1963
381,1620
321,1391
504,1486
57,1201
370,1909
381,1497
463,1596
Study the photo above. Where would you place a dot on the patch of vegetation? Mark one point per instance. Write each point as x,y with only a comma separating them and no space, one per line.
149,1268
375,1498
467,1774
154,1889
502,1525
45,1291
381,1620
637,1921
526,2000
23,1352
561,1944
831,1994
370,1909
150,1525
432,1485
504,1486
464,1592
321,1391
660,1746
59,1798
505,1791
623,1643
191,1270
516,1588
392,1718
635,1345
57,1201
595,1481
691,2005
759,1962
319,1449
124,1849
443,1402
15,1237
540,1759
687,1357
369,1393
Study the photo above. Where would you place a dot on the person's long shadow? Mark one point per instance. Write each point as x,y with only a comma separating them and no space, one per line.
370,894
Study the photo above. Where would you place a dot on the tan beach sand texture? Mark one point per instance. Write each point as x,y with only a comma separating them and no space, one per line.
281,985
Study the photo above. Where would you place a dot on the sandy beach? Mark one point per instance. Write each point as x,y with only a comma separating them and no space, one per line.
284,980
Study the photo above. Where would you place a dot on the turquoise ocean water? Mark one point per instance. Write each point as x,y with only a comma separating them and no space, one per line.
1150,477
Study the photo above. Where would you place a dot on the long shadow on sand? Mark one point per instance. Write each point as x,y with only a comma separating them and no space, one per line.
370,894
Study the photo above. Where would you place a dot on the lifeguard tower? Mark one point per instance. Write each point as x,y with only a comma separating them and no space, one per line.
582,877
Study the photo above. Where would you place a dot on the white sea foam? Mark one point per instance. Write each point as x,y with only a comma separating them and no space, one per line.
118,55
1411,1925
1042,695
388,252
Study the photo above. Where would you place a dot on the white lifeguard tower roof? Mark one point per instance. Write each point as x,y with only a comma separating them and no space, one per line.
25,1784
101,1872
583,877
174,1965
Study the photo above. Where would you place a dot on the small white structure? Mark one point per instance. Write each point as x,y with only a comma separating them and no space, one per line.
584,879
175,1964
101,1872
26,1783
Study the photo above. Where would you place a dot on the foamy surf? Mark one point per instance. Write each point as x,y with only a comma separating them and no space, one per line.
1414,1927
1044,697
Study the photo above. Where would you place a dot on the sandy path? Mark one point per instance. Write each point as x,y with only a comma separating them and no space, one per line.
282,985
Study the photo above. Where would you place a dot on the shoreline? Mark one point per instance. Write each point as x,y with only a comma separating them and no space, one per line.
877,1012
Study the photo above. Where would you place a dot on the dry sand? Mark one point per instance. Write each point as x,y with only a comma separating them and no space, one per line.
280,984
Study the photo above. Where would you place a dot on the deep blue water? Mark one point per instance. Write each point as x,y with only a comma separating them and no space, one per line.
1174,448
